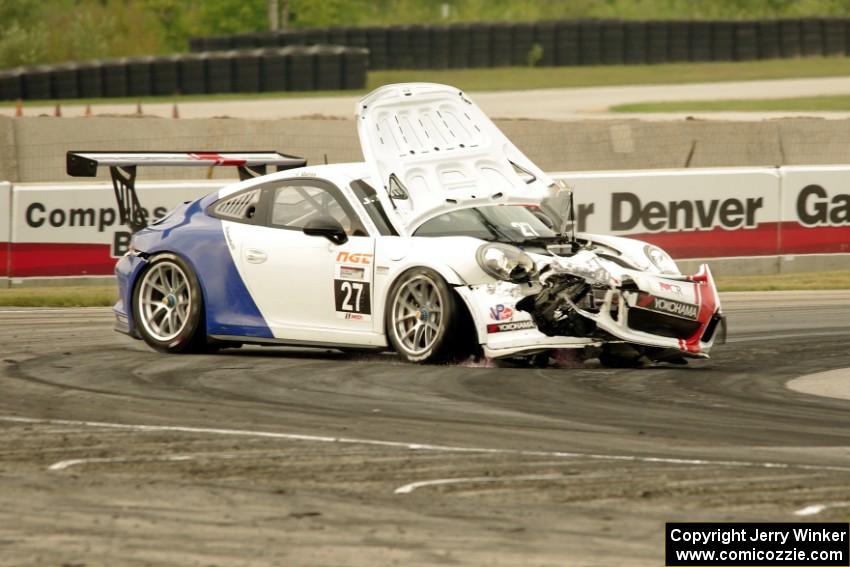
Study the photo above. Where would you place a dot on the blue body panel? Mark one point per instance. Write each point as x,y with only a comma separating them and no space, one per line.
126,271
189,232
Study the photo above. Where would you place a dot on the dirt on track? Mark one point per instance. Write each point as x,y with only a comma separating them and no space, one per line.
111,454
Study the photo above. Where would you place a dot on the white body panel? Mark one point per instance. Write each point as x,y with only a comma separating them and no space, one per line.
291,277
443,150
502,329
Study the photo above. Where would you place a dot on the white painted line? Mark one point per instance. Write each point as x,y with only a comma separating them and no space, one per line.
423,446
818,508
810,510
408,488
62,465
67,464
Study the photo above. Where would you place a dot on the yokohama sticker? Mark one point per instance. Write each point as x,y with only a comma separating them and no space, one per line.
677,308
512,326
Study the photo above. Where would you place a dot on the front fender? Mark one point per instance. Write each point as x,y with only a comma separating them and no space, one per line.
451,257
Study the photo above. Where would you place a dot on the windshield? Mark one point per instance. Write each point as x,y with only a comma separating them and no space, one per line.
514,224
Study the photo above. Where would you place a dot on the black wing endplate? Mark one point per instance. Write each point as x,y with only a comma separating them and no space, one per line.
122,167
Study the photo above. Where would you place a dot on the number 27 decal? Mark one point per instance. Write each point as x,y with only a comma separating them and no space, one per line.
352,297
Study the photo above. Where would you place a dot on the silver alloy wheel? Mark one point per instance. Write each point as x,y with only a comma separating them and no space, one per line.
417,313
164,300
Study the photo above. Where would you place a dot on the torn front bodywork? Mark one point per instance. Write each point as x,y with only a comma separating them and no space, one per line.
587,300
506,331
591,296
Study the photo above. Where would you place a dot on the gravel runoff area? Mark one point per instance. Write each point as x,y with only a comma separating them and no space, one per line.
545,104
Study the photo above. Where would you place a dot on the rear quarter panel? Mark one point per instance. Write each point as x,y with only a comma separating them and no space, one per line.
199,239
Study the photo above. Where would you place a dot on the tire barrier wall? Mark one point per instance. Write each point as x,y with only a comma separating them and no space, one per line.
564,42
742,220
267,69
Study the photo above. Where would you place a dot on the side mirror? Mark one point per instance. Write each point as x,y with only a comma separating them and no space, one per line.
327,227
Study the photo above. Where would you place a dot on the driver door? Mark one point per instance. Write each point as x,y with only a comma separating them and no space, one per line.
307,287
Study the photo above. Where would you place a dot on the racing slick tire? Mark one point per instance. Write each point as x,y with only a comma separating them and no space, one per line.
168,307
425,319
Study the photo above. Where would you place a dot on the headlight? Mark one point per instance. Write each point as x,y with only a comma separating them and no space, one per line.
505,262
660,259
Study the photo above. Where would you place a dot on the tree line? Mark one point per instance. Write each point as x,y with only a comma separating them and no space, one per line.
39,31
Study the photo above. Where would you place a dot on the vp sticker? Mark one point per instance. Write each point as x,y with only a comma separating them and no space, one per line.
501,312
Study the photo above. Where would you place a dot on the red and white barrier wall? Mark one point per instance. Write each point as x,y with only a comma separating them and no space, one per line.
782,215
5,229
746,220
73,229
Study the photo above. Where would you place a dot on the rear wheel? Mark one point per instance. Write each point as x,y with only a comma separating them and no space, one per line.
424,318
168,306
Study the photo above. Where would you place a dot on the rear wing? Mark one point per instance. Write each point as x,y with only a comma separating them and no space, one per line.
122,167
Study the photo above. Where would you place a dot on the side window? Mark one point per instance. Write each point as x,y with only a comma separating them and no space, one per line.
241,207
293,206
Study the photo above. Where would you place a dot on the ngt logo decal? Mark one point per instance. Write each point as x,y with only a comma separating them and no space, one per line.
675,308
357,258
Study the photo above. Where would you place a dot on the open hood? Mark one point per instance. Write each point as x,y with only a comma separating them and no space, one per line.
431,149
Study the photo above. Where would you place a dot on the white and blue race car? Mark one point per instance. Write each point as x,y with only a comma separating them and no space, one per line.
446,242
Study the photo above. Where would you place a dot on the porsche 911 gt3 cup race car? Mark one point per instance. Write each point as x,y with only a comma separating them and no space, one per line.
447,241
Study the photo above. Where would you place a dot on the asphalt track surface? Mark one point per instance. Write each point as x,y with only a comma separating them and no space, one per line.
579,103
111,454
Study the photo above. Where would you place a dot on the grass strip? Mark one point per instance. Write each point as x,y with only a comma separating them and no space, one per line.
59,296
835,103
839,279
522,78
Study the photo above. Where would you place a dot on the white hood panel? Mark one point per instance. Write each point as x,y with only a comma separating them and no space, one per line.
443,151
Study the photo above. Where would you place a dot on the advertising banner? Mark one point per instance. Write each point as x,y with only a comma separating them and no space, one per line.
690,213
815,210
71,229
5,227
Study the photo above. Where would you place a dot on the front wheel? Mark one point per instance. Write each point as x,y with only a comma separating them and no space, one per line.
168,306
424,317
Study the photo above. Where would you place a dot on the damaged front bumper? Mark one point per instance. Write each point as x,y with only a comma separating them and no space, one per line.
587,300
505,331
